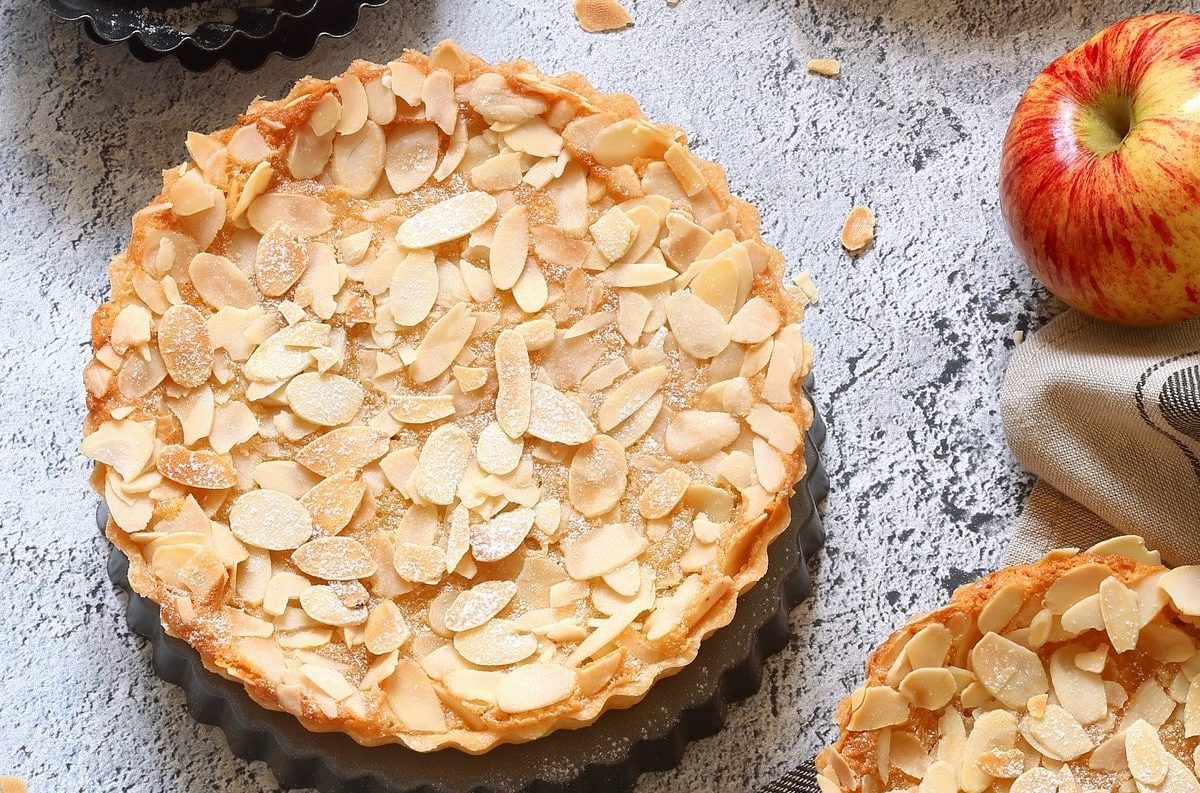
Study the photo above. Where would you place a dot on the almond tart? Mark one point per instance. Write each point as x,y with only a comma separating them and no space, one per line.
1077,674
446,404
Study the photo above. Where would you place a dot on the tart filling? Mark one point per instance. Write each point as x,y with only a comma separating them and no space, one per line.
446,404
1076,674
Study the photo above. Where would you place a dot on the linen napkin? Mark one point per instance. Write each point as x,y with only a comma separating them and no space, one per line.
1108,418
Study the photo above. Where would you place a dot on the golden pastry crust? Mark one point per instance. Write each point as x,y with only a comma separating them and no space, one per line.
1032,677
395,488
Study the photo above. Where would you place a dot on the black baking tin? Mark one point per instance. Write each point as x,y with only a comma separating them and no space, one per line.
288,27
607,756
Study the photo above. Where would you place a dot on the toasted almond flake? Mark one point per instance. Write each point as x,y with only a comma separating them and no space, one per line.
1130,546
201,469
940,778
325,399
279,261
531,291
769,466
875,707
458,537
358,159
448,220
321,602
437,92
233,424
556,418
1166,643
334,559
342,449
470,378
256,184
220,283
993,730
514,378
1191,709
755,322
326,113
499,173
686,171
696,434
1119,608
414,288
307,216
333,502
826,67
638,274
778,428
441,464
629,396
1001,607
625,140
410,156
930,688
442,344
184,345
414,700
354,106
664,493
534,137
603,549
1144,753
270,520
534,686
1010,673
598,476
1083,616
454,155
496,452
477,605
420,564
496,643
386,629
1081,582
599,16
859,229
1182,586
422,409
510,246
1035,780
497,538
1149,702
613,233
1057,734
1080,692
700,329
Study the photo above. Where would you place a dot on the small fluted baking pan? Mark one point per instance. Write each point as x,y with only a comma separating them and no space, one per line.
608,755
202,33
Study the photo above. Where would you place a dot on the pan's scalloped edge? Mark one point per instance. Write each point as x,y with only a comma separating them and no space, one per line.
605,756
291,34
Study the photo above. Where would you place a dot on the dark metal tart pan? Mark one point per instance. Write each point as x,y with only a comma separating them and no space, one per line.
244,33
608,755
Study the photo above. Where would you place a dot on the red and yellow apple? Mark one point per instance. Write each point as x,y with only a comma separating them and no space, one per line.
1100,173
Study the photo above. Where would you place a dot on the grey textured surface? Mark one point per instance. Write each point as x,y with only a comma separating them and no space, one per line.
913,335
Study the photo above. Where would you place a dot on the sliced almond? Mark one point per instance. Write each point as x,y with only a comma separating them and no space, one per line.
1144,753
333,502
448,220
875,707
386,629
496,452
414,288
696,434
663,493
342,450
322,603
1010,673
497,538
334,559
1080,692
992,731
858,231
411,155
324,399
270,520
279,261
510,247
1057,734
1182,586
1001,607
220,283
598,476
306,215
603,549
514,378
478,604
534,686
1119,608
628,396
200,469
1081,582
930,688
496,643
422,409
442,344
184,345
420,564
441,464
556,418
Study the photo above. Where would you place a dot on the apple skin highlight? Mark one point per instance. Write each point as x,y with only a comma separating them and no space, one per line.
1100,173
